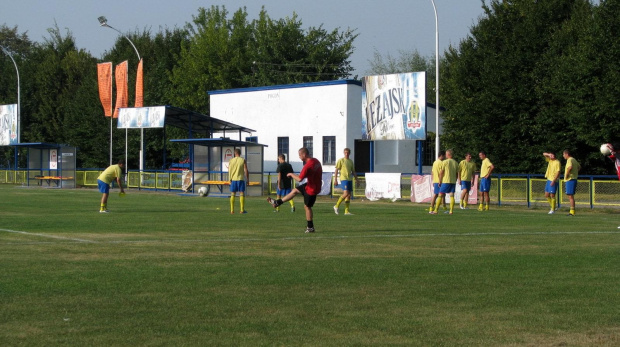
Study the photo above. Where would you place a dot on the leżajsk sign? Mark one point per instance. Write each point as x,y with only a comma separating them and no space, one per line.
141,117
394,107
8,125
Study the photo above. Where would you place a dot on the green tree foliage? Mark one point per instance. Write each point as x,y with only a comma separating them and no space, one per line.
406,61
226,53
531,78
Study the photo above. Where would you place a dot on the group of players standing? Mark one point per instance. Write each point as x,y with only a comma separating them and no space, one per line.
446,172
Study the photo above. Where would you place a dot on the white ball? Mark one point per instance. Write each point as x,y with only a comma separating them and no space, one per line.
202,191
606,149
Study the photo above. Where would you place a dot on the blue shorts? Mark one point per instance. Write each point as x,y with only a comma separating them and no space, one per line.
435,188
283,191
485,185
570,186
447,188
551,189
104,188
237,186
465,185
347,185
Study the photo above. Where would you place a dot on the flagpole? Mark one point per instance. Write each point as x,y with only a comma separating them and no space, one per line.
104,23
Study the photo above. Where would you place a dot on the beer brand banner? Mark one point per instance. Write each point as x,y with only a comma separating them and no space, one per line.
139,86
8,125
382,186
104,78
422,189
394,107
122,94
141,117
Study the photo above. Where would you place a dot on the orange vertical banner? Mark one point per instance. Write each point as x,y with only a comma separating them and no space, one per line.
104,79
139,86
121,87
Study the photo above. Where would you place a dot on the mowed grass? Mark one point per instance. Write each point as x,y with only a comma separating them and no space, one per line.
169,270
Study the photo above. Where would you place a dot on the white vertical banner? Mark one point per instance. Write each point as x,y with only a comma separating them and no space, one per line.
8,125
53,159
382,186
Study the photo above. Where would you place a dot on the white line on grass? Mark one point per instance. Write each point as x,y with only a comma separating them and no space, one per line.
47,235
293,238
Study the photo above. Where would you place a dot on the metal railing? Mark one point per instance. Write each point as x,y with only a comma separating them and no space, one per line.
506,189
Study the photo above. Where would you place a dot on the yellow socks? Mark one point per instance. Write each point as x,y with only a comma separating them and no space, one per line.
451,203
339,202
242,202
232,204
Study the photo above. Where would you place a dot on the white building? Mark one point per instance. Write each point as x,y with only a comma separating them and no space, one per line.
326,117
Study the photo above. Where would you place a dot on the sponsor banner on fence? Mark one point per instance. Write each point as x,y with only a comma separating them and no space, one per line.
394,107
141,117
422,189
382,186
326,188
8,125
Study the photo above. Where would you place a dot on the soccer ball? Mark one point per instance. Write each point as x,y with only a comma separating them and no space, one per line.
202,191
606,149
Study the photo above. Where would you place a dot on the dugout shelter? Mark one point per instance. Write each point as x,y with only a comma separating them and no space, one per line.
210,157
50,165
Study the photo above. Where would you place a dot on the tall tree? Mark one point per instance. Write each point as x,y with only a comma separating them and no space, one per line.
491,84
231,53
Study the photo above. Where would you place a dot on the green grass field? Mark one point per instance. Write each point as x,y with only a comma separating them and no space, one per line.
169,270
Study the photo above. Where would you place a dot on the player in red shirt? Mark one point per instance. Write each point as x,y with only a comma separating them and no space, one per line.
312,172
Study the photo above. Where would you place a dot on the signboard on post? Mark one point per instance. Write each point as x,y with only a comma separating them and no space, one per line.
394,107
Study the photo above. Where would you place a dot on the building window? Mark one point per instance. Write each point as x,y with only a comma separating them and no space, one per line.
308,144
329,150
283,147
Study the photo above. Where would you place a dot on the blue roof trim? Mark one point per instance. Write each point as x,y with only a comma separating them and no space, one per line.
285,86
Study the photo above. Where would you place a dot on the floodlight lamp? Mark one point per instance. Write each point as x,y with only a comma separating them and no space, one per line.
103,21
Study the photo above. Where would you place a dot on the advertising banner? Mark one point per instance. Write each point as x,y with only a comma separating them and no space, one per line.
140,85
394,107
122,94
422,189
8,125
104,79
141,117
382,186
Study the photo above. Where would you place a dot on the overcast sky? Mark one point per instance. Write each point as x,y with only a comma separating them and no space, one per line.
386,26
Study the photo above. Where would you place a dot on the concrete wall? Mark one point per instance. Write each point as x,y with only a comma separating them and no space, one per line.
311,109
332,108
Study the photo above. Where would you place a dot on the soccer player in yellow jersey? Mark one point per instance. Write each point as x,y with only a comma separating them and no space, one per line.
237,171
485,181
552,175
466,176
447,175
571,172
347,172
435,176
113,172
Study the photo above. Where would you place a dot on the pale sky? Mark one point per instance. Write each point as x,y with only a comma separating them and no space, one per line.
387,26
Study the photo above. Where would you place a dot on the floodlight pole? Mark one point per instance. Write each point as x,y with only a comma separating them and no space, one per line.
6,51
104,23
18,93
436,81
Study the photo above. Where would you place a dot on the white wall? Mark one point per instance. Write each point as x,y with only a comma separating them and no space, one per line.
332,108
311,109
